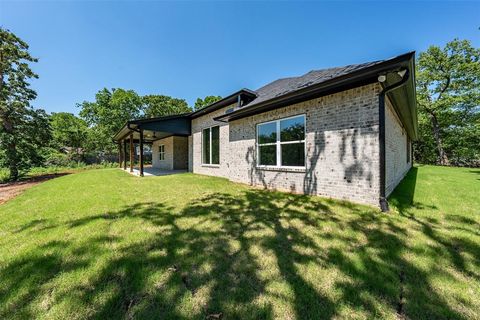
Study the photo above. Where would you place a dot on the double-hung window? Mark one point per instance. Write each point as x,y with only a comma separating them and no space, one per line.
211,145
281,143
161,152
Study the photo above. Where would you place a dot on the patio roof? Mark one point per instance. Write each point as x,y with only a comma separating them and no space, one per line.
155,128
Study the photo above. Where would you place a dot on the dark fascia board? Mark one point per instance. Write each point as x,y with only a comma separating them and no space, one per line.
404,99
173,116
122,133
224,102
360,77
161,136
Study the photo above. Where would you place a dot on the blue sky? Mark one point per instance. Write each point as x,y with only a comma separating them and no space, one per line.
193,49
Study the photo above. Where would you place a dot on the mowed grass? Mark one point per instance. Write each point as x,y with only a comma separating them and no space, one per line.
105,244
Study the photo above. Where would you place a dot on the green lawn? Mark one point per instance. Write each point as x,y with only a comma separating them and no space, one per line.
105,244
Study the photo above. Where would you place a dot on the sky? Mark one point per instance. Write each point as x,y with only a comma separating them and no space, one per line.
194,49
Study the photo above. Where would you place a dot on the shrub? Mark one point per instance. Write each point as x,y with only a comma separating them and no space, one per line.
75,166
56,158
4,175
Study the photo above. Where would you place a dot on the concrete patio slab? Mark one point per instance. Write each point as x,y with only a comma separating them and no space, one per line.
153,172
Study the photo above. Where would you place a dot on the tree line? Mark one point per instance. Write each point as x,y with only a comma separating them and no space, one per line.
111,109
448,99
73,138
31,137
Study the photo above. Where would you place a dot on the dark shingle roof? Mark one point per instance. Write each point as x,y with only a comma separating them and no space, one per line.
287,85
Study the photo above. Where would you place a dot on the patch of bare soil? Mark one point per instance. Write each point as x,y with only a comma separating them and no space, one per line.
12,189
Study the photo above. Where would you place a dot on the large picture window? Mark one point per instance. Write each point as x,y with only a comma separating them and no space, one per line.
211,145
281,143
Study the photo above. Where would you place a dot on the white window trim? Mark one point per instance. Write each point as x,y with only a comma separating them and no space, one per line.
213,165
160,153
278,144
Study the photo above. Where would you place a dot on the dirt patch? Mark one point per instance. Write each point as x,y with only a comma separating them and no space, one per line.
12,189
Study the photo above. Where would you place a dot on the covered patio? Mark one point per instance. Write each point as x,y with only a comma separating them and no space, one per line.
153,172
147,131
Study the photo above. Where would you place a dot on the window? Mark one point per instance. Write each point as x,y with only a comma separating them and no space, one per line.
281,143
161,152
211,145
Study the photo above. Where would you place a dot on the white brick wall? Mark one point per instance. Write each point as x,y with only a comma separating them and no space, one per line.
176,153
198,125
166,164
396,165
341,142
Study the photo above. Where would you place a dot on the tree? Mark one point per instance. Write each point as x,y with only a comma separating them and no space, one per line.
110,111
448,96
160,105
22,129
69,131
208,100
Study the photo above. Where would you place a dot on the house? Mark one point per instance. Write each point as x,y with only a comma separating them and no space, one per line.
342,132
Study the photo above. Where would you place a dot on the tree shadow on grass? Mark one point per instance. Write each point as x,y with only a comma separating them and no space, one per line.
435,225
22,280
254,255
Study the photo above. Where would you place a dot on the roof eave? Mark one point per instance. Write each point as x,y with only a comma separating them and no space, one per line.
127,127
232,98
404,100
356,78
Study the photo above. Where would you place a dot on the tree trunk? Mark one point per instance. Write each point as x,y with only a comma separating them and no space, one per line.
12,161
442,156
11,148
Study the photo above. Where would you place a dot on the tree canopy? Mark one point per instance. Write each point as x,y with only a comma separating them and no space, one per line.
113,108
23,130
68,131
448,98
110,111
160,105
208,100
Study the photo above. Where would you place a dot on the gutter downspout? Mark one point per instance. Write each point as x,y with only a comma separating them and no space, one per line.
381,113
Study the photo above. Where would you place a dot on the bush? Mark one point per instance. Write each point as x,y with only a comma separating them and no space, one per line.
38,171
54,158
76,166
4,175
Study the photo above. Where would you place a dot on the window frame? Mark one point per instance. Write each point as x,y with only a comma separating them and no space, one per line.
160,153
210,145
278,144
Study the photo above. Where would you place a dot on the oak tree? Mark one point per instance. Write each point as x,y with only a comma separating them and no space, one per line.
208,100
448,97
23,129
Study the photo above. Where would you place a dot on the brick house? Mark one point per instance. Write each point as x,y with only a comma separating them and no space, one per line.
342,132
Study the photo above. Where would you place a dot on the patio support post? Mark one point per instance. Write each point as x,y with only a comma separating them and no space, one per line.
132,159
124,154
141,152
120,154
